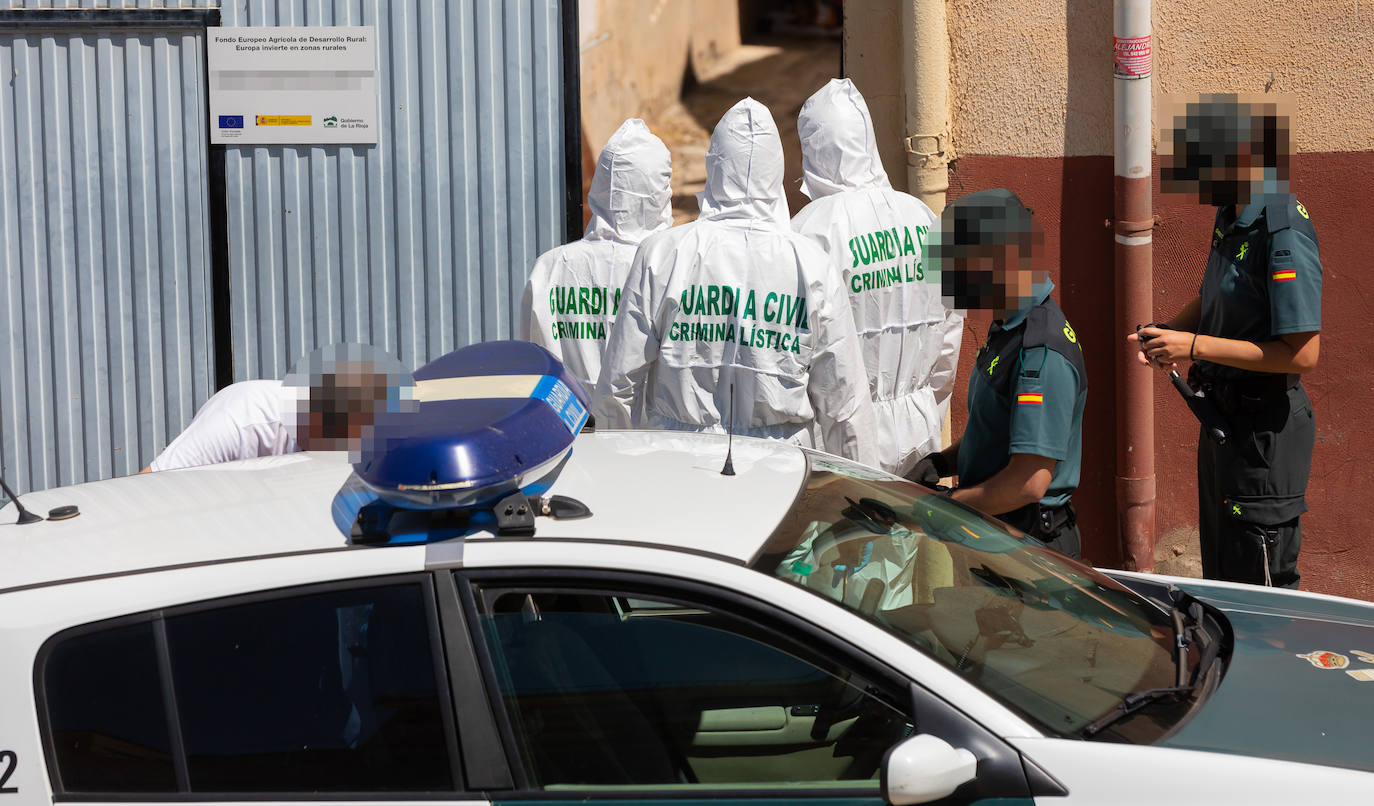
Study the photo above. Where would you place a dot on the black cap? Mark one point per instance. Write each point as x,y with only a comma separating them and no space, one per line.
993,218
985,217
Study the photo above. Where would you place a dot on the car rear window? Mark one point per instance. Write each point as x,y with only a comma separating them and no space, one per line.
106,714
323,690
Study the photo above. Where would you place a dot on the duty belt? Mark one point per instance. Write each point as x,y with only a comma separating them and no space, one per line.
1249,394
1041,521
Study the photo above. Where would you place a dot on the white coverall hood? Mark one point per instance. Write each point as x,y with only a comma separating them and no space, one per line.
630,196
573,290
744,167
839,148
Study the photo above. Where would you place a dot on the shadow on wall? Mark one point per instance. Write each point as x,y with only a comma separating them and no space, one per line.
778,71
589,158
1086,256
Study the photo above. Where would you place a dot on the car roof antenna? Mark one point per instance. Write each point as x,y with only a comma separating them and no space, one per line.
729,469
25,516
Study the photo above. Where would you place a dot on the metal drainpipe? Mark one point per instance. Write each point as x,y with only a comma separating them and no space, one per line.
1133,223
925,88
925,92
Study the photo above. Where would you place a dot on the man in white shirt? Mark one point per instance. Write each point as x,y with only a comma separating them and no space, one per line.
326,403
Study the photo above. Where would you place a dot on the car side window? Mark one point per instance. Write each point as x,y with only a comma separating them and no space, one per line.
331,690
328,692
608,690
105,712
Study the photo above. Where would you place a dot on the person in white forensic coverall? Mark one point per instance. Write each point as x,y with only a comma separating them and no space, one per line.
573,291
738,301
875,237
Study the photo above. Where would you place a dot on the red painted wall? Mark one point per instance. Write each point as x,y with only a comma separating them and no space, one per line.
1072,198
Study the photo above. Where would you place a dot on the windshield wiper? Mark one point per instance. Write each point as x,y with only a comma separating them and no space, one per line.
1187,616
1181,645
1134,702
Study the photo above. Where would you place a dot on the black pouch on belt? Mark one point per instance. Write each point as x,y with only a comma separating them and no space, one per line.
1041,522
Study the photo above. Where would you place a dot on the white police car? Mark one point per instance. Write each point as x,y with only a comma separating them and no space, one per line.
805,630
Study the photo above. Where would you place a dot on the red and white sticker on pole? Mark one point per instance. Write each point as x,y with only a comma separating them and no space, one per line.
1132,56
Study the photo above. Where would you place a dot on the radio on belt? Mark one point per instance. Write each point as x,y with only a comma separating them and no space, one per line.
494,424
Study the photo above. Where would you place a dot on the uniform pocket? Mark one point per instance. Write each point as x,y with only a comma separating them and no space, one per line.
1267,543
1252,554
1259,449
1263,510
1270,456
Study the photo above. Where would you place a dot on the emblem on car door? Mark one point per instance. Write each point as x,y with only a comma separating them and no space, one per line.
1326,660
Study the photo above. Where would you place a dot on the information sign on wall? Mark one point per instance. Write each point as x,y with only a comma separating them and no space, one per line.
293,85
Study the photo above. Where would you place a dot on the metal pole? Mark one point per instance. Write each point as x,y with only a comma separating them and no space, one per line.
926,124
1133,223
925,87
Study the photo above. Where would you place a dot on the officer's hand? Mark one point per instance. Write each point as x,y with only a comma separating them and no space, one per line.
1162,348
1134,338
929,470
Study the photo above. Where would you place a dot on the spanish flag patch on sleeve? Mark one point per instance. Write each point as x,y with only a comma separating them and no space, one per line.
1033,398
1285,274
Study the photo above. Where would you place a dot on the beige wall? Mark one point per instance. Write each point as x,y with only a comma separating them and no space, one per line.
1030,77
1322,53
635,54
1034,77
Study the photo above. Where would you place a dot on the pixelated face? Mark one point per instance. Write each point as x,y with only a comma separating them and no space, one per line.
340,390
1225,148
988,255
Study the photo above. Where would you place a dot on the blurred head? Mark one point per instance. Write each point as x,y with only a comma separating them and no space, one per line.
337,391
1225,148
631,196
988,253
744,167
839,147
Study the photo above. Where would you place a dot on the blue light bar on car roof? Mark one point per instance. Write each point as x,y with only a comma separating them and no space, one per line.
492,419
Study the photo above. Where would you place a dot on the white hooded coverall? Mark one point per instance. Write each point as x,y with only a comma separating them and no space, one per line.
875,237
573,290
737,299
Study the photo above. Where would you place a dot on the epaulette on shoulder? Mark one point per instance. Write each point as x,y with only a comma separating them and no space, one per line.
1277,211
1046,326
1039,325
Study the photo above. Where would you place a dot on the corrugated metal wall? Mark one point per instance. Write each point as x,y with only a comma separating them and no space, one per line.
108,4
105,339
420,244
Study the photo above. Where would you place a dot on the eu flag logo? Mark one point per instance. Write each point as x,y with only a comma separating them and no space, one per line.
231,121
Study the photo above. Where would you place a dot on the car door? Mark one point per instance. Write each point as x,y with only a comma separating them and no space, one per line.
326,692
616,686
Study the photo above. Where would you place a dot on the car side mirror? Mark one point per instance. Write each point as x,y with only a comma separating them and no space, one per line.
925,768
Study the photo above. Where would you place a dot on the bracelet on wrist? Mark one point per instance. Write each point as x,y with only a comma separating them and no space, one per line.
1192,347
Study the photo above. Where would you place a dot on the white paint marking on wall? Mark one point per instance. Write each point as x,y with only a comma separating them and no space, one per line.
594,41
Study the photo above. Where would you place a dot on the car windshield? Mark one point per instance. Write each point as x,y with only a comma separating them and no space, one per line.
1052,638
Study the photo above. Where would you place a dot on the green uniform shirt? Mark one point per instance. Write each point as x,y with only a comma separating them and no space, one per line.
1263,276
1026,400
